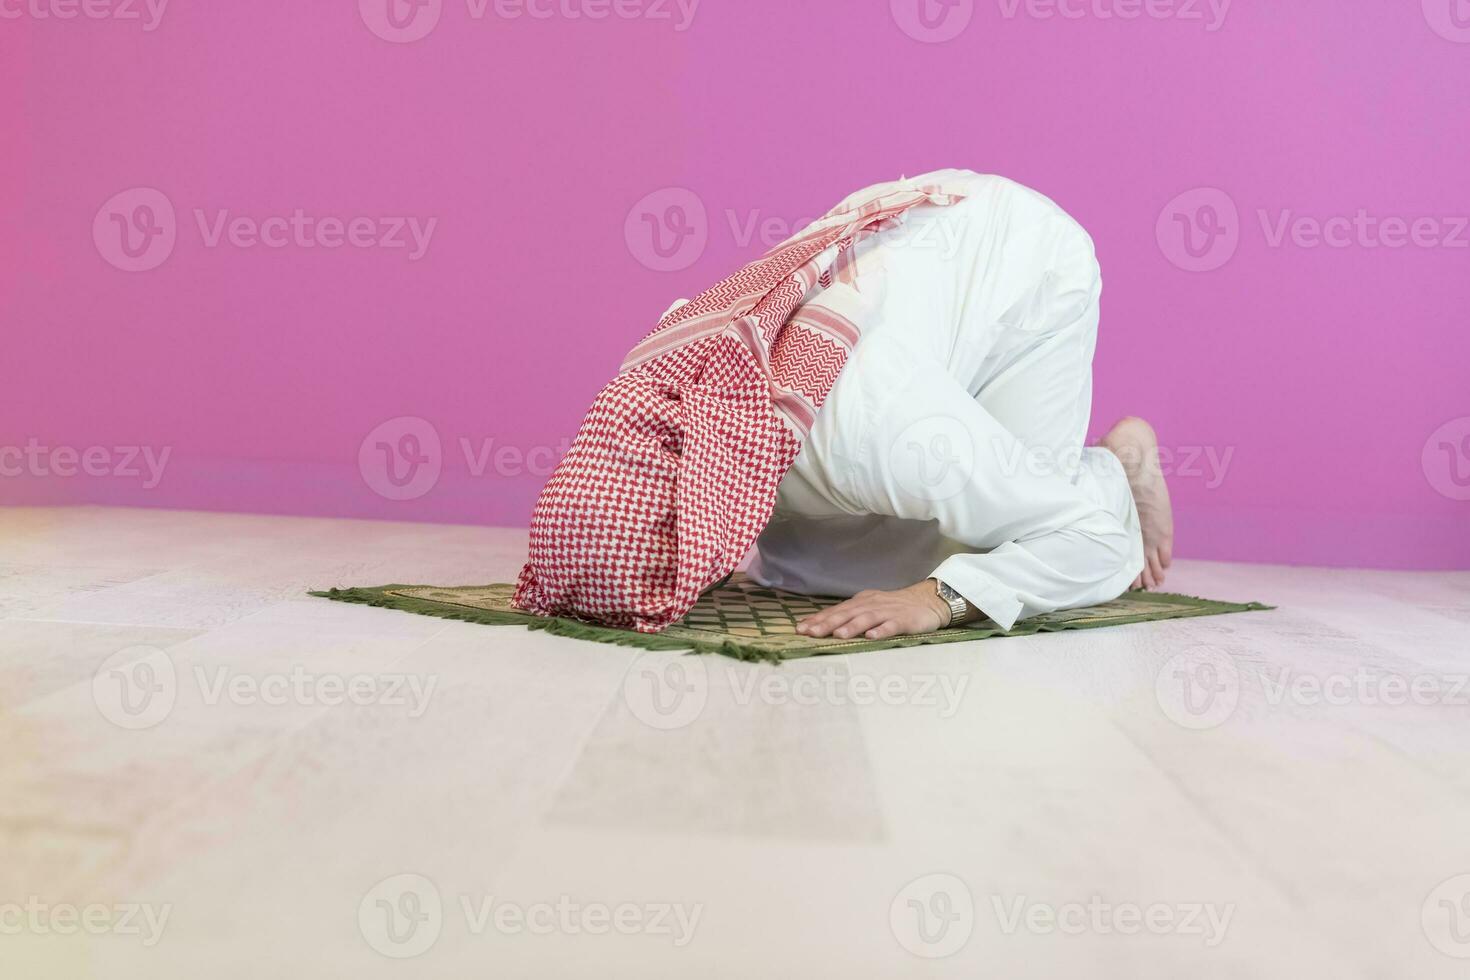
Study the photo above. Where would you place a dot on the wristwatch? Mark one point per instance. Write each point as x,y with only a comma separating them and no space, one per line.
958,607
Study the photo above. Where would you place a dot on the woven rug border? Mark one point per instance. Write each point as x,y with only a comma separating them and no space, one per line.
382,596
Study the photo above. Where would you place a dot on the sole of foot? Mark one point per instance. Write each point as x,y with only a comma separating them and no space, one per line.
1136,445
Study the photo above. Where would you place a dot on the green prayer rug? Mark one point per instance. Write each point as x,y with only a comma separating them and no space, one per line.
740,618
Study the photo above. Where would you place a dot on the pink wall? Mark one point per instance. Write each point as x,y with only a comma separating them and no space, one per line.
1316,394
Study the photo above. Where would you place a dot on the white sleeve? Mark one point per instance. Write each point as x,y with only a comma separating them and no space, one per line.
1048,534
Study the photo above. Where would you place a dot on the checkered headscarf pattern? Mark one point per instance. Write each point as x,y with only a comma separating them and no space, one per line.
674,472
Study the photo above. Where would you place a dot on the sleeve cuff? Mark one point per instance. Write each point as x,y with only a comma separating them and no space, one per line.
982,591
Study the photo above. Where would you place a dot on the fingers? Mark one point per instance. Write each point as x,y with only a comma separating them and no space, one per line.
863,621
874,615
824,622
884,631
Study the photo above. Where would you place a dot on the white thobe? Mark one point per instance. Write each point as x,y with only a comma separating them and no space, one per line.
951,445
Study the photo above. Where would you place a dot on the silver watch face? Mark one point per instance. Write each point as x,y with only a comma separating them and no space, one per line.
946,593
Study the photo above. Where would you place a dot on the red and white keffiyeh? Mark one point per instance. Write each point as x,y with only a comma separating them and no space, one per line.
674,472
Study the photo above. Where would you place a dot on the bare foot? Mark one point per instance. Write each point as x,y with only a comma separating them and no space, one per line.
1134,443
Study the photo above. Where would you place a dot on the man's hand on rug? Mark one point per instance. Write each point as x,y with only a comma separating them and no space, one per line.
880,615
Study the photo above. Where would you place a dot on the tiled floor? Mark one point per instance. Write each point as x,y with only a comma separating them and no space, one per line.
205,773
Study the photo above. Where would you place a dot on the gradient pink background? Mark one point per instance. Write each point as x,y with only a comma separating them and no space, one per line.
1323,370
